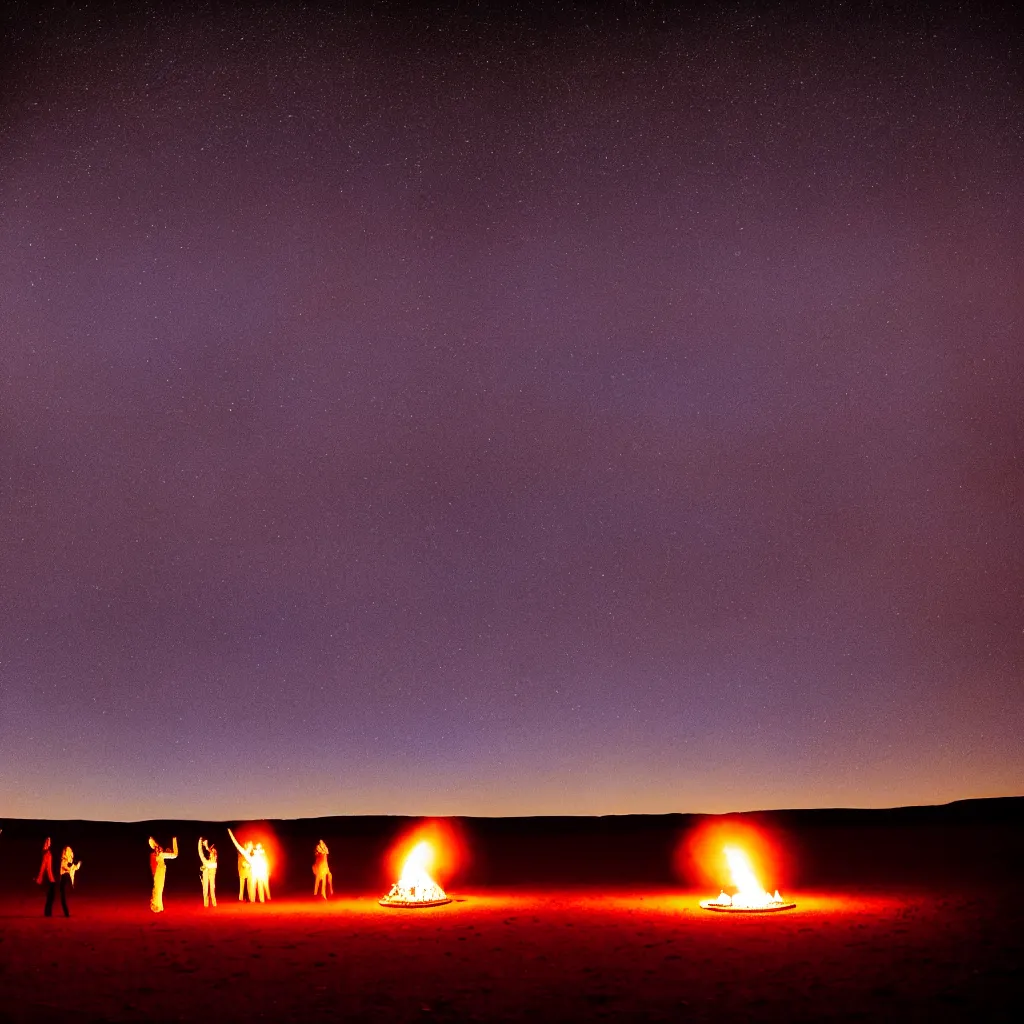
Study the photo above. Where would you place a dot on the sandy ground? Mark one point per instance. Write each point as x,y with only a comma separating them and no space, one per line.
516,956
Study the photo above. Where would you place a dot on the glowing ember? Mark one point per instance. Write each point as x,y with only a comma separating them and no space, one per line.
749,897
416,888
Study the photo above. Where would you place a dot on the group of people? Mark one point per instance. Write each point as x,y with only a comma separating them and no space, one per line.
253,872
68,870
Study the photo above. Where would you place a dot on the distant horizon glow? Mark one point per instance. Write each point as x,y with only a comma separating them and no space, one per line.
525,810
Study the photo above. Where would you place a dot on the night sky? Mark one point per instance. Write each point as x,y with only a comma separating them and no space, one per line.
508,414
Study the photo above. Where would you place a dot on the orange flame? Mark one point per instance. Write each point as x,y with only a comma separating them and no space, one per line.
703,855
415,887
445,853
749,894
743,877
416,869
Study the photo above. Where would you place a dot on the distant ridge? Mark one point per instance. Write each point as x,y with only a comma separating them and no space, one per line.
976,840
989,809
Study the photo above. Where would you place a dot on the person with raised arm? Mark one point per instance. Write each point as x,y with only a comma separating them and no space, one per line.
158,865
245,882
68,870
208,856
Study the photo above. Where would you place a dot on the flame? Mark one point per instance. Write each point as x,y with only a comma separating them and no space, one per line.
701,857
415,886
433,848
742,872
448,846
417,865
740,850
749,893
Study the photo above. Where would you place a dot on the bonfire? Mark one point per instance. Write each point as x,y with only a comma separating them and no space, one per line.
415,887
750,897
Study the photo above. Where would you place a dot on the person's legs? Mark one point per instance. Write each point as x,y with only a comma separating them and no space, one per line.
206,888
213,887
250,887
65,881
156,903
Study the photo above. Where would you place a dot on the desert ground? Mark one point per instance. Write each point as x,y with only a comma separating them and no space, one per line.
517,956
947,949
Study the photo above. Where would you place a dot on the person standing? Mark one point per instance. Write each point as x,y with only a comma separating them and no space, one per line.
261,873
68,869
322,880
46,876
158,865
209,871
245,881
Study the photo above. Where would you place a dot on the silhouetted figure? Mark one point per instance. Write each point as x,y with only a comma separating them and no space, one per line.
322,879
245,882
68,869
158,865
45,876
209,872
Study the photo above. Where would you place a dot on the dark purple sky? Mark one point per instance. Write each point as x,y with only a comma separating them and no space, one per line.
488,415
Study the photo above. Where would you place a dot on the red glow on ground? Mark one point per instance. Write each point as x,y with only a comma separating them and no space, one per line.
661,908
625,954
449,846
700,857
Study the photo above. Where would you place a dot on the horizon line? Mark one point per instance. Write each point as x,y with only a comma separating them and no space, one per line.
512,817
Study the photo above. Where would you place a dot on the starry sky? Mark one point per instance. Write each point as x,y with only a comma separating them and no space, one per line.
600,411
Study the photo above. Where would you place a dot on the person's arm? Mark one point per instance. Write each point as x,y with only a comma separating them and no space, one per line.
174,849
202,856
238,846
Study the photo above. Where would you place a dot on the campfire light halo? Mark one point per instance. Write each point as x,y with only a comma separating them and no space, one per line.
415,888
